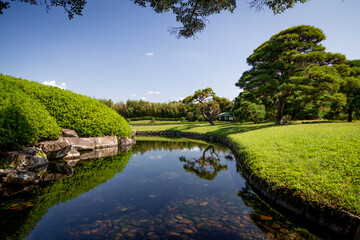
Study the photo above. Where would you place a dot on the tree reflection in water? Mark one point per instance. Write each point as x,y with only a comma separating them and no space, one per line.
205,167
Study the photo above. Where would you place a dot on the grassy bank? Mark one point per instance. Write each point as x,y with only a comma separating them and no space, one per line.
319,161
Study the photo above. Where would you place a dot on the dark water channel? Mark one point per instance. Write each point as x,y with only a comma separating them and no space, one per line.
162,188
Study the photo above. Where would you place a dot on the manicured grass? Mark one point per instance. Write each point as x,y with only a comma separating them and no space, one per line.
320,161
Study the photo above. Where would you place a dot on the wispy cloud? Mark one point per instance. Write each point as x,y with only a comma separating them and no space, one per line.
182,98
153,92
150,54
133,95
155,157
143,98
53,83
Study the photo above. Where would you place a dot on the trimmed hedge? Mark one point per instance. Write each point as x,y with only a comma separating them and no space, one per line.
87,116
156,118
23,120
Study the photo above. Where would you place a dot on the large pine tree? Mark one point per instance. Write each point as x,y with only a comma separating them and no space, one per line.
291,60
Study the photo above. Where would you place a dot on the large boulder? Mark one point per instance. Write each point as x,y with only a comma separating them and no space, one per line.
16,176
55,149
72,154
124,141
27,159
80,144
69,133
105,142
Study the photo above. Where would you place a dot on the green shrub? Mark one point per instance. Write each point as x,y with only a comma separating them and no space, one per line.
87,116
23,120
156,118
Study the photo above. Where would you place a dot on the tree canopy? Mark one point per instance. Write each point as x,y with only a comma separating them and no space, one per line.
292,60
204,100
351,89
191,14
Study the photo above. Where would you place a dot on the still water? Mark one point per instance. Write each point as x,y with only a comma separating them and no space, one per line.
163,188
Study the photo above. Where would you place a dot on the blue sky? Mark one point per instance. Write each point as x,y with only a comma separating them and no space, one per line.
120,51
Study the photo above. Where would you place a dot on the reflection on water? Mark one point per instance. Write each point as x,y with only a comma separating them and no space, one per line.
152,198
206,167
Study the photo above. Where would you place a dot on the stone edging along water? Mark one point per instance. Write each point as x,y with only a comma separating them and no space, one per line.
335,222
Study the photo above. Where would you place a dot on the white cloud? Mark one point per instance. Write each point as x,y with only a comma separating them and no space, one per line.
143,98
182,98
153,92
150,54
53,83
194,149
155,157
133,95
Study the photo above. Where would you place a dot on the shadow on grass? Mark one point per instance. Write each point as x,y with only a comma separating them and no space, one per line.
223,129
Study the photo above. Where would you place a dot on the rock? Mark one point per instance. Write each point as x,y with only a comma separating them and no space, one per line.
55,149
133,133
175,234
60,167
124,141
124,149
19,177
72,163
69,133
185,221
105,142
72,154
100,153
80,144
57,170
28,158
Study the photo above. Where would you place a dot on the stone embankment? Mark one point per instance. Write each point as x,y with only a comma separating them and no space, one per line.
52,160
338,224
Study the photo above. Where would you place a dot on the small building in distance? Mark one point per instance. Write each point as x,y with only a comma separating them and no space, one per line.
225,116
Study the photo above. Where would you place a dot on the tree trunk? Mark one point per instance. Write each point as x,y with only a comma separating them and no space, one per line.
211,121
280,111
350,112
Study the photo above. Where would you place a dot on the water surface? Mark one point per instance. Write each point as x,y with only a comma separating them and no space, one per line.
164,188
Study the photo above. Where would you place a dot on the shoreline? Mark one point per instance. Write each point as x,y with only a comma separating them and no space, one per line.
314,215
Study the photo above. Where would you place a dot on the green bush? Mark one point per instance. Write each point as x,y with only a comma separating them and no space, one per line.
23,120
87,116
151,118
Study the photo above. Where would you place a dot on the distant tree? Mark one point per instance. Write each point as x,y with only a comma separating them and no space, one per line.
291,60
108,102
204,100
224,104
192,14
351,88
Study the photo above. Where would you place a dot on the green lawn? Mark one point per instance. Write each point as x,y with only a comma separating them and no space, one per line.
320,161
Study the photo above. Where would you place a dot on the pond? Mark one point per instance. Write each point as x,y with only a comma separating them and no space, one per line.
163,188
